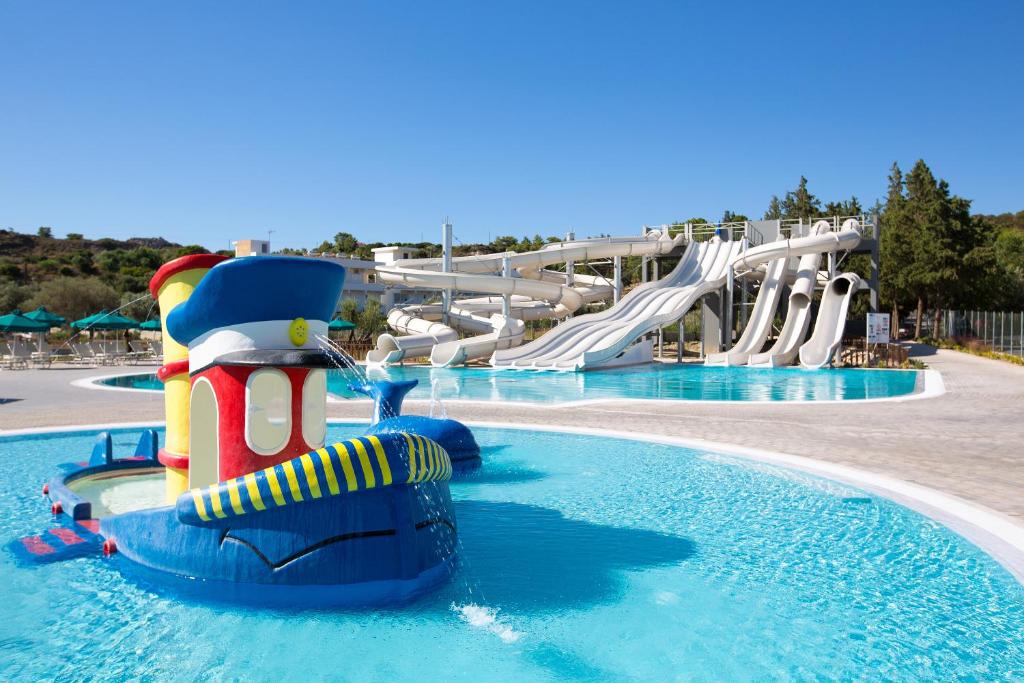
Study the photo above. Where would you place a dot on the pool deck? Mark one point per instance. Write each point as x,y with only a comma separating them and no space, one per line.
967,442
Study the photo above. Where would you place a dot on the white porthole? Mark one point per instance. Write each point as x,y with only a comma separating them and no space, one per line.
314,408
268,411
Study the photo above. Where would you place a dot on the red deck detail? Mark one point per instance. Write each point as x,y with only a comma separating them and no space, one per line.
92,525
178,265
67,535
36,545
172,459
81,463
178,367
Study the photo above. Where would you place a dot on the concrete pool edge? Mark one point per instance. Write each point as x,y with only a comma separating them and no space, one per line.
995,534
931,381
96,382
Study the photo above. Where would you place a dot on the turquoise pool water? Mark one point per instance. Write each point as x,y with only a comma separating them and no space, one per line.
659,381
583,559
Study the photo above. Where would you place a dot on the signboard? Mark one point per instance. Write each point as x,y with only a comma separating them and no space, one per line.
878,328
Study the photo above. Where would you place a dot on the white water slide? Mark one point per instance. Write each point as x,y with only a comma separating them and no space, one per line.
828,328
798,316
534,293
603,339
759,326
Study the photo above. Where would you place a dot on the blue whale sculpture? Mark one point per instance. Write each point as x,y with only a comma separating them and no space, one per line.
452,435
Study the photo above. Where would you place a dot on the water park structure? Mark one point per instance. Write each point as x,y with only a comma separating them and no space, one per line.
713,265
254,504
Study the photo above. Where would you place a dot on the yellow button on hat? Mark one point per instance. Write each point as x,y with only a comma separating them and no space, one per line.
298,331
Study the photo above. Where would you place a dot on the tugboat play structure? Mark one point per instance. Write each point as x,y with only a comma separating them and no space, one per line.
254,504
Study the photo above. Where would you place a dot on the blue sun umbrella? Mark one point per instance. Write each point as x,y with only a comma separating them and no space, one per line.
105,321
42,315
16,322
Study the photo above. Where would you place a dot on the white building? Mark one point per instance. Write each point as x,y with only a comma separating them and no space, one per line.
360,282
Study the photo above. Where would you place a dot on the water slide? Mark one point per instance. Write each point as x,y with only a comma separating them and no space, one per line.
534,293
603,339
798,317
759,325
828,328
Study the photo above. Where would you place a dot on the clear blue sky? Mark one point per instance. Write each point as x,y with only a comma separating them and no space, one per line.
211,121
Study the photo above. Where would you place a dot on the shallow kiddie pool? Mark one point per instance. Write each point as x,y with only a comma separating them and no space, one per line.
661,381
583,557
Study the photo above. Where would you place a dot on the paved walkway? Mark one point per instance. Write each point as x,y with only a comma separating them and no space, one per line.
969,442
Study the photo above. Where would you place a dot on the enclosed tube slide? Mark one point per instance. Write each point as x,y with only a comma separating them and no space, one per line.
537,293
828,328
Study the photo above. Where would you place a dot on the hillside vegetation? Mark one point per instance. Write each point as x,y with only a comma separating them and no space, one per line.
75,277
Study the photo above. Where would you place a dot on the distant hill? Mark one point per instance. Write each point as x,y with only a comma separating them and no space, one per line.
1004,220
73,274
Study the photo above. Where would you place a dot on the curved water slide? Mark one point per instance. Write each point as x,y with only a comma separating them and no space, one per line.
536,294
759,325
798,316
828,328
774,277
603,338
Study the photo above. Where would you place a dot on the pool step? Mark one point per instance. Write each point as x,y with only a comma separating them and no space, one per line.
73,538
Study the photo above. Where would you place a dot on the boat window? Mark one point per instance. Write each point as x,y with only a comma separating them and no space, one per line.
314,408
268,411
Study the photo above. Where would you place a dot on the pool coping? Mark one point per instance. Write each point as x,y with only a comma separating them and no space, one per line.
995,534
933,386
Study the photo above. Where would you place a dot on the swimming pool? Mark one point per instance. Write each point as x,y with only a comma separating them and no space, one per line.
583,557
658,381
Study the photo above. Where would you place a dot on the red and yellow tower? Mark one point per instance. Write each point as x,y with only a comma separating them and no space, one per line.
172,284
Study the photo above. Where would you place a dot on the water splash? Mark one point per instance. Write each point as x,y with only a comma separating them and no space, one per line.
486,618
437,409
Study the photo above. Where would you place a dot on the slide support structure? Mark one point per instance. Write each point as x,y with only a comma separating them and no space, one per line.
446,266
617,277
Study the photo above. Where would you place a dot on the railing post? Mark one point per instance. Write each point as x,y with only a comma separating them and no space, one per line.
681,339
617,282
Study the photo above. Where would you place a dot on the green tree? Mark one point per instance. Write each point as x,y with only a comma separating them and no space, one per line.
730,217
345,243
349,310
504,243
14,296
896,246
76,236
45,232
849,207
1009,246
138,305
83,261
774,211
75,297
371,320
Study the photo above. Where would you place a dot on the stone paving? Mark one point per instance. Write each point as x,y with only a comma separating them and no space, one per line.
968,442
